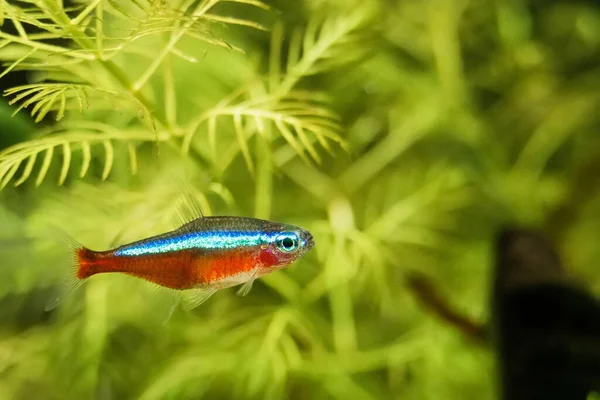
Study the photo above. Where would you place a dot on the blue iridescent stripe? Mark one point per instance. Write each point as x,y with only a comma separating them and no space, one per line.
197,240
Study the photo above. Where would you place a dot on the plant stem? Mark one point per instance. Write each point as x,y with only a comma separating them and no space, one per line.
264,176
43,46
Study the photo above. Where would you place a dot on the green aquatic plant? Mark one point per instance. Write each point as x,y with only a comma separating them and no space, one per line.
93,75
401,134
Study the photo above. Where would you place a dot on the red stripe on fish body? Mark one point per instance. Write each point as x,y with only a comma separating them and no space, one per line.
268,259
173,270
227,267
179,270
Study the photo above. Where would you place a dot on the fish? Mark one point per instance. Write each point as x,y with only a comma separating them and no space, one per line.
202,256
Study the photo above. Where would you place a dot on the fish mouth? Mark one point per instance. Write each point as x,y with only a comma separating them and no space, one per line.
309,240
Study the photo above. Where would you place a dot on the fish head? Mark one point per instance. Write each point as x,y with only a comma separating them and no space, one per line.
286,243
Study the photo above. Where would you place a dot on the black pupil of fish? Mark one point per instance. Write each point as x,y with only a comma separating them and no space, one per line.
287,243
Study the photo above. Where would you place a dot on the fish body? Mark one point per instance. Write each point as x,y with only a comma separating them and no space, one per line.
204,255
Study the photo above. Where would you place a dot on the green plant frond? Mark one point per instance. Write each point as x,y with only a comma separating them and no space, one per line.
37,43
38,60
133,10
164,21
161,15
365,265
233,21
55,67
270,365
50,96
187,370
182,24
83,139
88,30
300,122
298,116
61,97
26,15
323,47
422,215
255,3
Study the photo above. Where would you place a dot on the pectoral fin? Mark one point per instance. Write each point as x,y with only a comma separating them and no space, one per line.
245,288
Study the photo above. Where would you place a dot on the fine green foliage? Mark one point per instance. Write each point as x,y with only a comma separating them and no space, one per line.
295,117
401,134
96,77
80,136
58,97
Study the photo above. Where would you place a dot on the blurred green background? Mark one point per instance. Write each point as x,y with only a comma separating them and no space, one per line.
402,134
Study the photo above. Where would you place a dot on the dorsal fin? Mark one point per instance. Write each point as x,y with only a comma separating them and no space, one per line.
188,207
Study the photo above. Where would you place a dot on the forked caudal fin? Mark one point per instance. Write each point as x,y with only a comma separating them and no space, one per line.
69,281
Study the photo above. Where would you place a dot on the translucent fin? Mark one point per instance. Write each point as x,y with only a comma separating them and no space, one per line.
174,304
69,282
188,206
66,287
194,297
162,300
245,288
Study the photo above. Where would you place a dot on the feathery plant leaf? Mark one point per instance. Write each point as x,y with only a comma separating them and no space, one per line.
322,47
163,18
87,41
87,72
300,117
60,97
295,117
182,24
81,137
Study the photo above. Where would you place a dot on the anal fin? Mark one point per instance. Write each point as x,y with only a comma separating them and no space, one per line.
174,303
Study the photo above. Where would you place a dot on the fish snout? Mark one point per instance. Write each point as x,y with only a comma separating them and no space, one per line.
309,240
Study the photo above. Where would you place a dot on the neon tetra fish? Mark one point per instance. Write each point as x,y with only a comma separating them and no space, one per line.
200,257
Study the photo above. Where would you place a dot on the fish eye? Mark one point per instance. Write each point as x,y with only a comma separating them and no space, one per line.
287,242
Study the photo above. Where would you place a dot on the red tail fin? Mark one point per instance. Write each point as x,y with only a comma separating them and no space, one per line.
84,259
